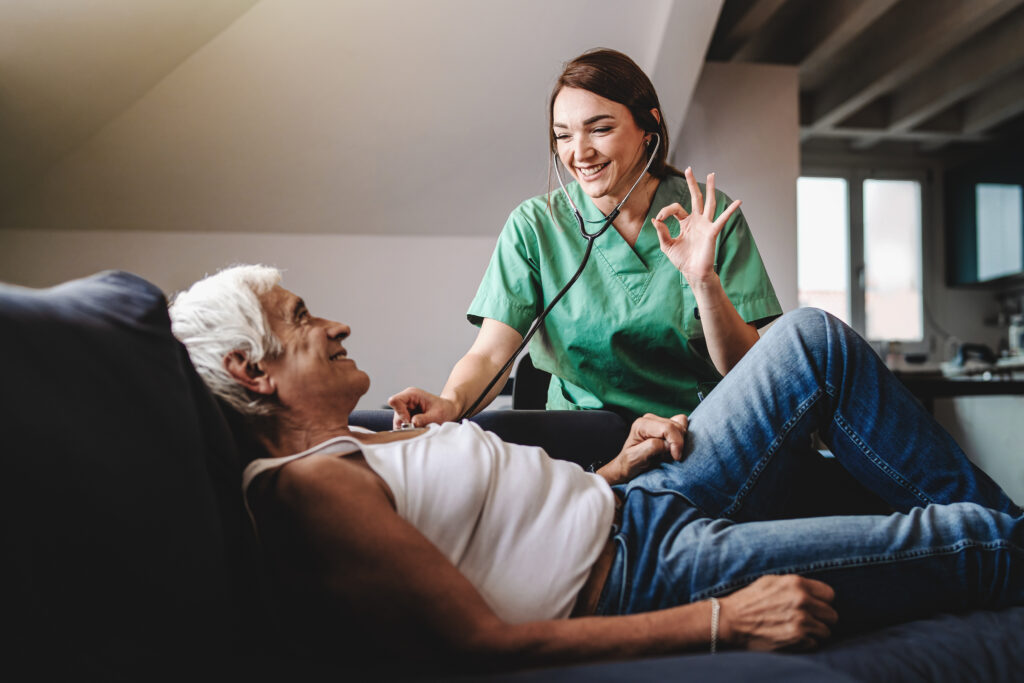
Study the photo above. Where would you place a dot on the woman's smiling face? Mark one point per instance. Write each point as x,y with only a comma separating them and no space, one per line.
598,141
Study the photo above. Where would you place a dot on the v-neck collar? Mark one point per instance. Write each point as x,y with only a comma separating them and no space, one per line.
633,267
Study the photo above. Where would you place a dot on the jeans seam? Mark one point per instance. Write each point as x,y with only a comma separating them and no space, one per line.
624,581
866,561
780,438
878,462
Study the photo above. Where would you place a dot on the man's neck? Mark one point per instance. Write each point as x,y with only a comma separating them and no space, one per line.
289,436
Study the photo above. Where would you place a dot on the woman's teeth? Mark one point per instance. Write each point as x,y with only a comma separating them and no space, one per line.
590,170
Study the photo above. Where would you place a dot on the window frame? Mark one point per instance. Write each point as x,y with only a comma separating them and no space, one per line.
855,177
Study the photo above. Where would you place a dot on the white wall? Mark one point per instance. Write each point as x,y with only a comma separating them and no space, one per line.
743,124
405,297
990,431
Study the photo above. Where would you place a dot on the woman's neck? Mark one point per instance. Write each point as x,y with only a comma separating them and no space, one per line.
634,212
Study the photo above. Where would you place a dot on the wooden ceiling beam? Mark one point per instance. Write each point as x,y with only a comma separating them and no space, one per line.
996,105
900,53
990,57
959,75
856,134
848,20
738,37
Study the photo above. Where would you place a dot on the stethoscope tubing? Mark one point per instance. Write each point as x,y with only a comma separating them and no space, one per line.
589,237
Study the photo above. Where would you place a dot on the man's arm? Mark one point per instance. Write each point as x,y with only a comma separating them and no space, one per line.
380,570
651,440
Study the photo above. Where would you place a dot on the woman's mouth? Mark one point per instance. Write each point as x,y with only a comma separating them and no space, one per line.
589,172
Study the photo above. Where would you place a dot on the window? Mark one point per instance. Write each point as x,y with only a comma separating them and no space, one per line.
999,219
859,252
892,260
823,250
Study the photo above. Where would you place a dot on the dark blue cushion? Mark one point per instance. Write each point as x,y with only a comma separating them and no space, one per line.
728,667
948,648
122,521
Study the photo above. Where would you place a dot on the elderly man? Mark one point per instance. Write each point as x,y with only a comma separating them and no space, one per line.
455,546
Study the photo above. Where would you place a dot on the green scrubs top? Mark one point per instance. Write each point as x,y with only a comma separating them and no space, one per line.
622,337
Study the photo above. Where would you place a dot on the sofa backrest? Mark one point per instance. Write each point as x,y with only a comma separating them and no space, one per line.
585,437
123,535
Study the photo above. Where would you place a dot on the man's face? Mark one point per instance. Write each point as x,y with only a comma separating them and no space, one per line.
313,369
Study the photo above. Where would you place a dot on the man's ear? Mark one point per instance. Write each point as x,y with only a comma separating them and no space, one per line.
249,375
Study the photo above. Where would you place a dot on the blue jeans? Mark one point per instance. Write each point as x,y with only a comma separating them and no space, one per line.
710,525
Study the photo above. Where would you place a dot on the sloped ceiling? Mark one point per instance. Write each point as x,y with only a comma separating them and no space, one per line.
362,116
68,66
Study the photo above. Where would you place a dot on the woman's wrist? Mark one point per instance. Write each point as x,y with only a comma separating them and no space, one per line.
704,281
454,406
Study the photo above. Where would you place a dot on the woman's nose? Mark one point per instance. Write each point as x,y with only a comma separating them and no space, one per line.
581,147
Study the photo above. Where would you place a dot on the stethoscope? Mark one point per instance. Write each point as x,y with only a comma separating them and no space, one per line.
589,237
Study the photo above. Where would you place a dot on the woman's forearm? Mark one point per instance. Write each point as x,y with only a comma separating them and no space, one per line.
469,377
727,335
494,344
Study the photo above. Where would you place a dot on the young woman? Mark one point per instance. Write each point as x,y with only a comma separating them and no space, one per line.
652,316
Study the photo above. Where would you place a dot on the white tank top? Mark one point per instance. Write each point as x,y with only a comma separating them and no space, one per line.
524,528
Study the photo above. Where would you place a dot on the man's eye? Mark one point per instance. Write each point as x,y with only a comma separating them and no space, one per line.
602,129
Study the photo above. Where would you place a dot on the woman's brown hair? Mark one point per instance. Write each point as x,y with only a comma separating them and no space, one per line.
616,77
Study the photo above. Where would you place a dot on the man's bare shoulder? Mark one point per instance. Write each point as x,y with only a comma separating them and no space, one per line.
329,479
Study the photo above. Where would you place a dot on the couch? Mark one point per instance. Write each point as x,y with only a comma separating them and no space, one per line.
127,554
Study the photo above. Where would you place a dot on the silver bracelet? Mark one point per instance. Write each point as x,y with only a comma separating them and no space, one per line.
715,609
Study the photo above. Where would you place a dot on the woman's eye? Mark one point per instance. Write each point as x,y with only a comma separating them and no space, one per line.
562,136
602,129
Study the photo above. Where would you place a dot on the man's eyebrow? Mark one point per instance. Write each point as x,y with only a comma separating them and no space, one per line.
592,119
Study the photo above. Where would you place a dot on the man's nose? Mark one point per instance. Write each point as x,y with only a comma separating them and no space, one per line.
338,330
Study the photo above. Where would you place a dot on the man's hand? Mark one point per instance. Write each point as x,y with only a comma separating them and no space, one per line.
650,439
421,408
778,612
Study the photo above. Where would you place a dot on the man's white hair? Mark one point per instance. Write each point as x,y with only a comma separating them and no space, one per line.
221,314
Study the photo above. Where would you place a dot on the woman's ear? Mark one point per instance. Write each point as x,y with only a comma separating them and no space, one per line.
656,114
249,375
